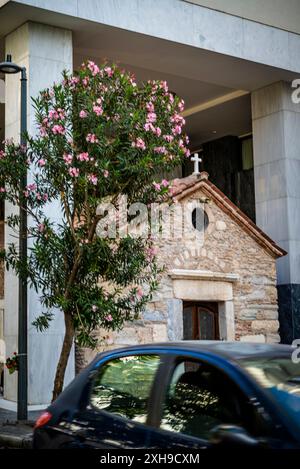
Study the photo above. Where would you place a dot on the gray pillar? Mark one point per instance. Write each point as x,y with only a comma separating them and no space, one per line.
45,51
276,142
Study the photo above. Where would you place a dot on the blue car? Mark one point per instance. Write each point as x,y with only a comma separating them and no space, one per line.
184,395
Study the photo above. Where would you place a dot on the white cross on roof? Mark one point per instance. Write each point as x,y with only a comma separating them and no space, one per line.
196,161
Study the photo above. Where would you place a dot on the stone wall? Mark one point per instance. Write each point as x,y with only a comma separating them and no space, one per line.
227,249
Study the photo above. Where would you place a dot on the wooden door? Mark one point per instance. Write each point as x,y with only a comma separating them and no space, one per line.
200,321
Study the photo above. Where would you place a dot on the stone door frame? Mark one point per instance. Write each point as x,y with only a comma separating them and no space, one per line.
199,285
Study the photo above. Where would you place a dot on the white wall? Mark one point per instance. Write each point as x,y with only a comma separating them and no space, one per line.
45,51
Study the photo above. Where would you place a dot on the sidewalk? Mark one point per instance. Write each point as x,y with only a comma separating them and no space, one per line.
14,434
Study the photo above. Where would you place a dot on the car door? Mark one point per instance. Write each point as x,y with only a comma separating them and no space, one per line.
120,395
198,397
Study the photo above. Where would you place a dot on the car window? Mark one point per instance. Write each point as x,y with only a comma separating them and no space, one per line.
280,376
199,398
123,386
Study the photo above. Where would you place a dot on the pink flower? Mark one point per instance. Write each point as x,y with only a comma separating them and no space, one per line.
139,292
109,71
31,187
2,189
161,150
177,119
68,158
98,110
151,252
43,132
176,130
26,194
139,143
151,117
45,197
85,81
94,308
41,227
58,129
2,154
83,156
41,162
158,131
92,138
106,173
53,114
168,138
109,318
150,107
74,172
148,126
156,186
164,86
165,183
83,114
93,179
181,105
93,67
73,81
61,113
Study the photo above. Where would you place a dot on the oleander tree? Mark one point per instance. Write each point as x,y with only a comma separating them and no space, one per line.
100,136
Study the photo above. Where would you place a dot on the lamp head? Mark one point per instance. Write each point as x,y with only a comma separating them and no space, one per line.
9,67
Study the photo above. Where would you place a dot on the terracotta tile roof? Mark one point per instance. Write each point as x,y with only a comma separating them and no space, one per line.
186,186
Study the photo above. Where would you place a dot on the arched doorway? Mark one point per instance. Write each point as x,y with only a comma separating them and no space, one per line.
200,321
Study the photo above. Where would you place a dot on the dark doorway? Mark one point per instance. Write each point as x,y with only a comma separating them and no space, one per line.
200,321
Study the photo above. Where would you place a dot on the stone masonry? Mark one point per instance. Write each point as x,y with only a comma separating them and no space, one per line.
232,249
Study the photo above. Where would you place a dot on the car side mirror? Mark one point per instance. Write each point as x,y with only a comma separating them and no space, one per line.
232,435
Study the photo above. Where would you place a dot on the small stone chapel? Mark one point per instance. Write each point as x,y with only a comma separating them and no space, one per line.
222,288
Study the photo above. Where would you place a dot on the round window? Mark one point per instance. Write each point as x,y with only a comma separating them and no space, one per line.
200,219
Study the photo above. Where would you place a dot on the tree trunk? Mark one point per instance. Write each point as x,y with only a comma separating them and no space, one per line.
64,356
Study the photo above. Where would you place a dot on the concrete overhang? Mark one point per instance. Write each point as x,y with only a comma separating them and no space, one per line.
195,31
202,53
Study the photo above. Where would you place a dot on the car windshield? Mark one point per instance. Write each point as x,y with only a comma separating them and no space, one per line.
281,377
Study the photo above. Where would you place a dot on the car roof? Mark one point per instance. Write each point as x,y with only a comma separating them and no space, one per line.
229,350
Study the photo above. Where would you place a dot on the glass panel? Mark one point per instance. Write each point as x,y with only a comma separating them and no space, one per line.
206,325
247,153
188,323
281,376
200,219
198,399
123,386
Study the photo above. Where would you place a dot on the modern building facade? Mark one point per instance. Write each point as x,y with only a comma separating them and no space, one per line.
233,62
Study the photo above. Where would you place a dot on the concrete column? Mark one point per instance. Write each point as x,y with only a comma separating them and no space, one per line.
276,143
226,320
45,51
175,319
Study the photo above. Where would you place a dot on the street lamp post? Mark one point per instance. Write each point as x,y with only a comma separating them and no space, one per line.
9,67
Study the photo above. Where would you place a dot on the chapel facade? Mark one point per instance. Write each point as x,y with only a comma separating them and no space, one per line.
219,286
